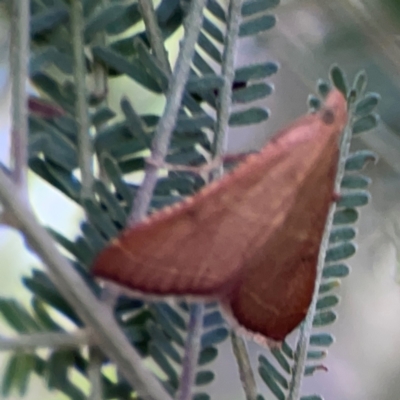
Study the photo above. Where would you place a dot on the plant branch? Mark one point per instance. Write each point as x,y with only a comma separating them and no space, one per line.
19,77
228,75
53,340
192,348
94,373
81,105
244,364
193,23
95,315
307,325
154,34
219,147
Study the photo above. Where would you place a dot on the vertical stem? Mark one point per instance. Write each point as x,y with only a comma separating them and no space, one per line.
94,373
162,136
219,146
154,34
19,76
244,364
228,74
192,348
81,106
307,325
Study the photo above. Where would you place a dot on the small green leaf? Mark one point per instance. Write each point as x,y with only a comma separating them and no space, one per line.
273,372
323,88
342,234
208,46
17,373
281,359
345,216
327,287
251,7
324,318
357,161
130,17
207,355
151,64
321,339
256,71
336,271
44,289
197,84
102,115
43,316
251,93
212,30
213,337
18,317
364,124
199,62
355,182
287,350
215,8
204,377
99,218
354,199
166,325
339,80
311,369
133,69
212,318
57,368
366,105
327,302
98,22
314,103
316,354
162,342
47,20
360,83
251,116
340,252
107,199
172,315
201,396
159,357
271,383
192,123
312,397
257,25
115,175
93,237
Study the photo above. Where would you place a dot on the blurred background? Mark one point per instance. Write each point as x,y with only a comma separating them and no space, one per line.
310,36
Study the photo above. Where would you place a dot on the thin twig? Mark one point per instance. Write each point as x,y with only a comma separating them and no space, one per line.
94,373
95,315
154,34
100,76
307,325
19,77
54,340
193,23
192,348
244,364
81,105
219,146
228,74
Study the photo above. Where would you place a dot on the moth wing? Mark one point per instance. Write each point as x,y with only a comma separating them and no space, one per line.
278,284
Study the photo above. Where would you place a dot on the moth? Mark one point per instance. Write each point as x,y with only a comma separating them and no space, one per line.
251,239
